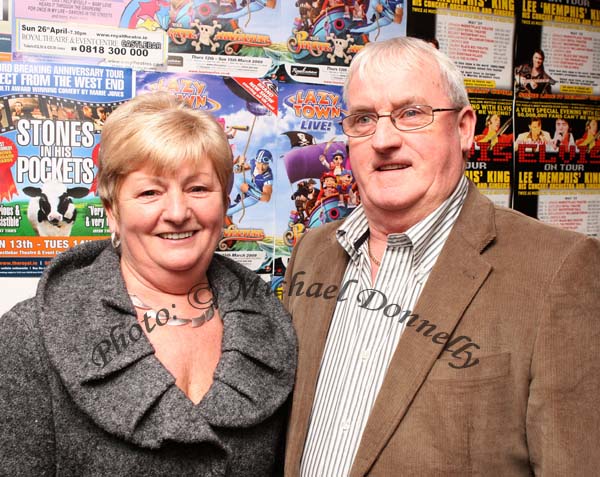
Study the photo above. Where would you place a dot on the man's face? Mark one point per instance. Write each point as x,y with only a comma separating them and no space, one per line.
409,173
535,127
538,61
562,126
18,108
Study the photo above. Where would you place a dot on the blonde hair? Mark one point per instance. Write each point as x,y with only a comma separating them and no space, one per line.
159,131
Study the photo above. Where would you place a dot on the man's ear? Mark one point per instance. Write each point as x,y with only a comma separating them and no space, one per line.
467,120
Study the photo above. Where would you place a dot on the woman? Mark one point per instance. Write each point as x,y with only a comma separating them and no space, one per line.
141,357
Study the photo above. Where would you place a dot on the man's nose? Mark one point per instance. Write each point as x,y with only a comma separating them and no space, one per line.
386,135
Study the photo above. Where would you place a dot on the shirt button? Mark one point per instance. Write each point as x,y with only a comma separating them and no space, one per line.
345,426
365,354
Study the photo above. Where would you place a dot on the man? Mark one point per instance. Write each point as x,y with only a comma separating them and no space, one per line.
534,137
531,77
102,117
88,114
53,112
17,111
313,193
562,135
260,187
20,112
438,334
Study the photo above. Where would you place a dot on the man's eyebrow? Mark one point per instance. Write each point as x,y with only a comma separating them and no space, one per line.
412,101
402,103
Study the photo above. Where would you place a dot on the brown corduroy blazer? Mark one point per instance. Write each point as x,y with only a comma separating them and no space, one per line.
528,296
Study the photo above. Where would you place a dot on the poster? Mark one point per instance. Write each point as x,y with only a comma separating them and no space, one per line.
201,36
324,35
557,86
558,51
247,110
314,181
50,122
557,151
5,30
64,31
490,161
478,35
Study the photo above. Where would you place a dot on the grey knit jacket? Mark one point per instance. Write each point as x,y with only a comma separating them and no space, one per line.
67,410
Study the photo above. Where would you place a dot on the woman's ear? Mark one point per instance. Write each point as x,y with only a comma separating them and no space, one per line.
111,217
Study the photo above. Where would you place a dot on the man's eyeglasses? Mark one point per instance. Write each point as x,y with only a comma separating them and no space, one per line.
408,118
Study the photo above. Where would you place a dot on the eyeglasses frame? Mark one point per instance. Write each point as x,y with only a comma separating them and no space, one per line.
389,115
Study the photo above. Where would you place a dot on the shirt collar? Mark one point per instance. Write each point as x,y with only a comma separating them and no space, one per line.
354,232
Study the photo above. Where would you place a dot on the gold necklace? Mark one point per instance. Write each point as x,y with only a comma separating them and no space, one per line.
371,256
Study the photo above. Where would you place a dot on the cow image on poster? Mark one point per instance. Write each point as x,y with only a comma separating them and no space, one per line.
51,210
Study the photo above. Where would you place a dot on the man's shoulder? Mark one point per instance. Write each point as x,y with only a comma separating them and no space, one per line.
483,222
530,235
321,235
522,136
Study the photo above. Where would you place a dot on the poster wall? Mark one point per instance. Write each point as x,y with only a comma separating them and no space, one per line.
271,72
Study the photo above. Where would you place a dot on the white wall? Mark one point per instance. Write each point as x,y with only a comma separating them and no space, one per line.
13,290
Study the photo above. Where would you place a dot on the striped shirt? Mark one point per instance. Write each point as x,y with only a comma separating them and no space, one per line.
365,331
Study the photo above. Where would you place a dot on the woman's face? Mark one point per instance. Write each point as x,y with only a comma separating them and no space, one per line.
169,224
593,126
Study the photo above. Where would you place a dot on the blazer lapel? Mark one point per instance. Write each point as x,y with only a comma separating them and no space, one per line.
455,279
329,262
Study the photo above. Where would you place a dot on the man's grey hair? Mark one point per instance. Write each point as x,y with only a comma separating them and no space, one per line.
379,58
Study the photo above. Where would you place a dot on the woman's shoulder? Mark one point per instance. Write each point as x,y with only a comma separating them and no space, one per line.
20,339
21,316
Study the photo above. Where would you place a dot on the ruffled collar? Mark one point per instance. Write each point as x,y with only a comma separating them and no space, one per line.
82,297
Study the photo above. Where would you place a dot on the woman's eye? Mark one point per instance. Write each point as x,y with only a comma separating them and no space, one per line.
149,193
198,189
